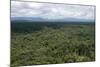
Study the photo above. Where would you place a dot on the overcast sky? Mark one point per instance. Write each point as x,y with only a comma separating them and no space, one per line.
51,11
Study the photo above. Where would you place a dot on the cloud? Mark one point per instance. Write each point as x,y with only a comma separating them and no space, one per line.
51,11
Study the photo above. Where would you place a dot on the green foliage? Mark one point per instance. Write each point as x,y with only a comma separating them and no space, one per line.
69,43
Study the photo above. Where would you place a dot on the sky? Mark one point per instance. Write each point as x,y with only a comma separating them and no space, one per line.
49,11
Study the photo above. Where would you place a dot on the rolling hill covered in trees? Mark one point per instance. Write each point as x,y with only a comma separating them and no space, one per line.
35,43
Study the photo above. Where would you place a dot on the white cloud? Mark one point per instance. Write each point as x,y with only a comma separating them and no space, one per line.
51,11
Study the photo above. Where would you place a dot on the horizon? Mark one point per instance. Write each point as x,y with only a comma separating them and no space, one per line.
34,11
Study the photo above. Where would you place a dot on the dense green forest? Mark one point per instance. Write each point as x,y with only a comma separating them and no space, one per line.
52,43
